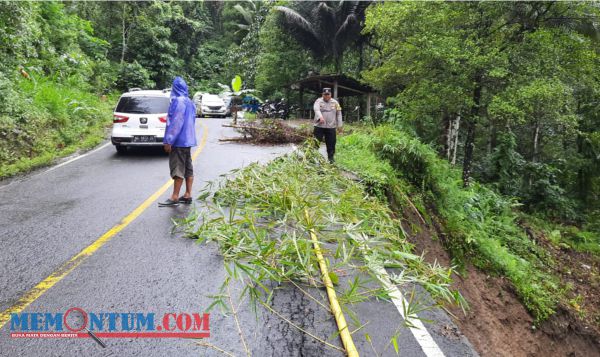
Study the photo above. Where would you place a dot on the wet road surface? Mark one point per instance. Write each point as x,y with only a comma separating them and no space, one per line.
48,217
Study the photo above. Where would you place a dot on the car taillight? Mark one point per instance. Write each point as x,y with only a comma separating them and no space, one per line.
162,119
120,119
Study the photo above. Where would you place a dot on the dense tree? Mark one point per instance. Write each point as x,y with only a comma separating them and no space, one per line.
249,14
281,60
514,75
326,28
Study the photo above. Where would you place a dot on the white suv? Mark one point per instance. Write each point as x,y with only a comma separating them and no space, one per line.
140,119
212,105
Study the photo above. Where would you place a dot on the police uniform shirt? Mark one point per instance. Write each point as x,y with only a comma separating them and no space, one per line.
331,112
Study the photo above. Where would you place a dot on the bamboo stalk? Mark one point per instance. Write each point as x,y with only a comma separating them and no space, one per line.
333,301
413,207
309,295
210,345
237,322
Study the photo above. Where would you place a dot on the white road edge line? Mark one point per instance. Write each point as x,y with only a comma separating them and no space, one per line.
424,339
78,157
428,345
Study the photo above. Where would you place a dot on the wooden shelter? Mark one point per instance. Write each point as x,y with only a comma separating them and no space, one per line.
340,84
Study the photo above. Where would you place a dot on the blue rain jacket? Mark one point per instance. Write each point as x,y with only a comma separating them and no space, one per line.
181,119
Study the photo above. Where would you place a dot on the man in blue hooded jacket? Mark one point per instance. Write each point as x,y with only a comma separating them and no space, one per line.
180,136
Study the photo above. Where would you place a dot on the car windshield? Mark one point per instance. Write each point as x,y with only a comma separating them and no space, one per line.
143,105
211,98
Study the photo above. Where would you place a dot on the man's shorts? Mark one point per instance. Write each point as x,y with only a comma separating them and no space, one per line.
180,162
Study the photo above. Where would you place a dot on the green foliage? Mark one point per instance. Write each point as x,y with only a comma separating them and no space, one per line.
160,58
281,60
132,75
261,216
207,64
49,67
104,76
18,30
567,237
526,70
480,223
357,156
325,28
46,120
582,241
243,59
248,16
507,166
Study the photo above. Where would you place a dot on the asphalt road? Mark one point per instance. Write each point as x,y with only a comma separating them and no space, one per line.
49,216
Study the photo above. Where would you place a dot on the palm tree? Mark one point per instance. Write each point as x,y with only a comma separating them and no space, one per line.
325,28
248,14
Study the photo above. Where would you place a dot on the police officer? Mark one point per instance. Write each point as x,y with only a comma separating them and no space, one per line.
328,117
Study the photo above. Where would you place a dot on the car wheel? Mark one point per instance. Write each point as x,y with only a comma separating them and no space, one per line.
121,149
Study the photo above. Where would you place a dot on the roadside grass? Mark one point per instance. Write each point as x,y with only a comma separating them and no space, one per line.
47,120
566,237
355,156
249,115
257,218
480,224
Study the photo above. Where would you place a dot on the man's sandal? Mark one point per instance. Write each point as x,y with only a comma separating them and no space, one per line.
186,200
168,203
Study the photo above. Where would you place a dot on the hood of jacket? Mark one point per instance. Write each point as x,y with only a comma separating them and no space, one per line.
179,88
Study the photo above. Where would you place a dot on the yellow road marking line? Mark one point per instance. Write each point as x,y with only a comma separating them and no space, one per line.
72,263
333,300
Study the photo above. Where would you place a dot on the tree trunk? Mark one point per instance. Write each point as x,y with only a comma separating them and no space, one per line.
337,57
301,101
469,144
124,36
470,140
536,138
491,139
455,148
582,177
447,136
451,137
110,19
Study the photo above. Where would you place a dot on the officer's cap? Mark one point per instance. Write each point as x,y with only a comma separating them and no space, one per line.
326,90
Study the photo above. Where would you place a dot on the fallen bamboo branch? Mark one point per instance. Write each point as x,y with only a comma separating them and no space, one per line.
272,132
309,295
210,345
244,127
237,322
413,207
336,309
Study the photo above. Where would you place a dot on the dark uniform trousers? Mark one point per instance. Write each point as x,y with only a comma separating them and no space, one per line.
330,137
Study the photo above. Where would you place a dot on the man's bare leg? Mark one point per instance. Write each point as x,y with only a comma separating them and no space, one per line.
188,187
177,182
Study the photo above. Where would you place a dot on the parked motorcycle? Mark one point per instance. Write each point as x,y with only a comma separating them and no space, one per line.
278,109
